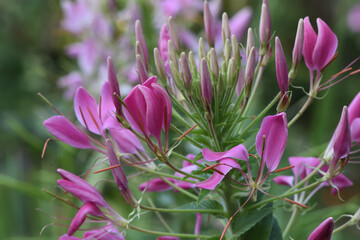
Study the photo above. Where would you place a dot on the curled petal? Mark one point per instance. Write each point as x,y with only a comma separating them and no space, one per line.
87,208
65,131
156,185
323,231
237,152
275,130
355,130
354,108
118,173
302,165
325,46
216,178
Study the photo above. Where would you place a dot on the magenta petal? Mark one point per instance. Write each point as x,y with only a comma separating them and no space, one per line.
67,237
342,136
86,110
323,231
284,180
107,106
354,108
186,163
155,185
127,141
237,152
355,130
65,131
302,165
150,81
106,233
325,46
281,67
310,38
339,181
87,208
118,173
162,94
275,130
216,178
163,43
136,110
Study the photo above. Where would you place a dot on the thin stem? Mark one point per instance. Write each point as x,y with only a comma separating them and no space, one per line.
181,235
197,144
158,214
186,159
182,172
179,210
213,134
291,221
179,189
302,110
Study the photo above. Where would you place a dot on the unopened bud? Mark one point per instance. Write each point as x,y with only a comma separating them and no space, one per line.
185,71
175,74
240,82
159,65
141,71
206,88
171,51
265,27
227,50
174,35
298,45
235,51
140,37
209,25
114,87
230,76
214,66
281,67
192,64
284,102
249,71
225,27
202,52
250,43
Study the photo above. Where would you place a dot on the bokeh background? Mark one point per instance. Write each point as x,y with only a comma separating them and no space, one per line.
33,58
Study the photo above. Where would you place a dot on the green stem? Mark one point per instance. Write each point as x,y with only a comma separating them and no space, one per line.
180,118
197,144
182,172
291,221
179,189
158,214
302,110
213,134
181,235
186,159
179,210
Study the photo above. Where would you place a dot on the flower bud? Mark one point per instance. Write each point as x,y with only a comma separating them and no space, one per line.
235,50
214,66
185,71
114,87
171,51
206,88
250,43
249,71
298,45
202,52
192,64
230,76
225,27
227,50
140,37
174,35
209,25
141,70
240,83
265,25
281,67
159,65
323,231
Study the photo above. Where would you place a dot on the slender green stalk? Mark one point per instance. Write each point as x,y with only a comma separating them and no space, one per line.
179,210
181,235
186,159
197,144
213,134
182,172
158,214
180,118
302,110
291,221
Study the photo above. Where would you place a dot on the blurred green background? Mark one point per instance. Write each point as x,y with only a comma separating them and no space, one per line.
32,59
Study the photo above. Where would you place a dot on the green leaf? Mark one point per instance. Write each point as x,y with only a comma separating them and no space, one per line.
261,230
208,206
247,220
203,193
276,233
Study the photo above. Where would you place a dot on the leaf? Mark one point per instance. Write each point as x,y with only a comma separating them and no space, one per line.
203,193
249,219
261,230
208,206
276,233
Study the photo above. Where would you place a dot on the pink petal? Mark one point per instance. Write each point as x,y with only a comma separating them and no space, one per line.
79,219
106,233
126,140
118,173
67,237
163,43
150,81
237,152
301,165
107,106
65,131
281,67
274,128
355,130
162,94
310,38
323,231
354,108
342,136
216,178
284,180
325,46
186,163
156,185
86,110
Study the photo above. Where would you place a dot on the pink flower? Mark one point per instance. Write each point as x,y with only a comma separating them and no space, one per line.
318,49
149,109
354,118
323,231
274,129
227,161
